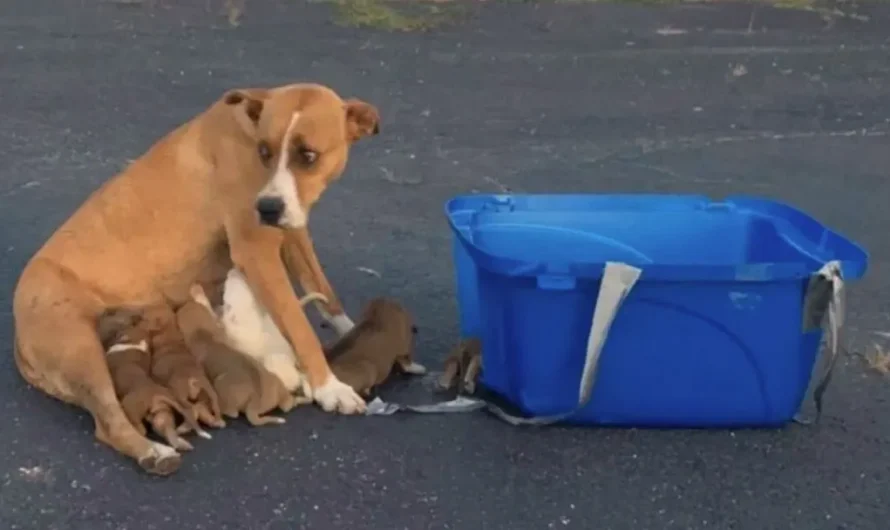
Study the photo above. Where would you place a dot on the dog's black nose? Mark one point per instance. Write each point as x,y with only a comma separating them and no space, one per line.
270,210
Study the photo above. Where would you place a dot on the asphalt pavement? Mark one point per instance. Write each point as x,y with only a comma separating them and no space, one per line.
714,99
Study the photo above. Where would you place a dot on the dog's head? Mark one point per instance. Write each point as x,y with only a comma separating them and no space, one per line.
303,133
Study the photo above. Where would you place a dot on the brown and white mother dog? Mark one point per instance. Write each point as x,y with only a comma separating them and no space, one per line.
232,187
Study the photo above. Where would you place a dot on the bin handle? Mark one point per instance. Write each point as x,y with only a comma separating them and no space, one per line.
825,293
617,282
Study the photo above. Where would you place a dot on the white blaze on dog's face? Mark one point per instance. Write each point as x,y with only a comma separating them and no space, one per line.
303,134
282,187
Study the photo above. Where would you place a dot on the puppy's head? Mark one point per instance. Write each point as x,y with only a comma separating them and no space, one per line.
159,323
303,133
197,313
392,318
386,313
117,325
157,317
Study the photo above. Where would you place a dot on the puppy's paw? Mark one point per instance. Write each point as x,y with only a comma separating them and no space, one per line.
160,460
336,395
414,368
180,444
445,382
204,434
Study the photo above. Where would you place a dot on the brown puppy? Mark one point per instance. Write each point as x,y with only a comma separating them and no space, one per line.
462,366
129,362
173,365
242,383
384,338
184,211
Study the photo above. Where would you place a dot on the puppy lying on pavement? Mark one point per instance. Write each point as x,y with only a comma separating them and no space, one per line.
129,363
462,366
173,365
365,356
242,383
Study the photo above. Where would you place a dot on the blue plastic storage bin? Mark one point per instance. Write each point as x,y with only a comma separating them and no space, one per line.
711,334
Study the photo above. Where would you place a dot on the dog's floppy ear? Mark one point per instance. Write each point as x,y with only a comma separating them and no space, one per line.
362,119
247,104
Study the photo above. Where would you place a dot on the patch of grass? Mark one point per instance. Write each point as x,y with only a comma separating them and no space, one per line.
790,4
394,16
794,4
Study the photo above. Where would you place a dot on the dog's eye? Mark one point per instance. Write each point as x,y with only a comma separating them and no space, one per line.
414,329
264,151
307,156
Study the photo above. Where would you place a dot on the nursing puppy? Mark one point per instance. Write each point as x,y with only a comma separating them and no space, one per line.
366,355
251,330
462,366
173,365
129,362
242,383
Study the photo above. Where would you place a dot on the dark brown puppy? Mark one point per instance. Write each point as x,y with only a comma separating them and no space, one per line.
173,365
462,366
242,383
364,357
129,361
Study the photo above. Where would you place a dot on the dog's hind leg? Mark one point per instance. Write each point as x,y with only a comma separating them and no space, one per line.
214,416
135,409
472,374
58,351
255,416
449,374
164,425
286,401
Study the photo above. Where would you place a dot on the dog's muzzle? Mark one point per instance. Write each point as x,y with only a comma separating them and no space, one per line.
270,210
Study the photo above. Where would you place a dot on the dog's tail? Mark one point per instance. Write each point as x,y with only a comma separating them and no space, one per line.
313,297
186,414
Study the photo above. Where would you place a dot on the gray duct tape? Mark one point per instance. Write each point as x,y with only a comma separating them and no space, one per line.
618,280
825,294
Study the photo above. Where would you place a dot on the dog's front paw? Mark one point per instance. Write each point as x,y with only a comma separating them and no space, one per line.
335,395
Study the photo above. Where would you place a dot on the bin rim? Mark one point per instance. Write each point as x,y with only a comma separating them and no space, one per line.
853,264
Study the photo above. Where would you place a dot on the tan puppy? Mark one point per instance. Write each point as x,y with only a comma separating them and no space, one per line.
242,383
384,338
129,362
462,366
186,211
173,365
